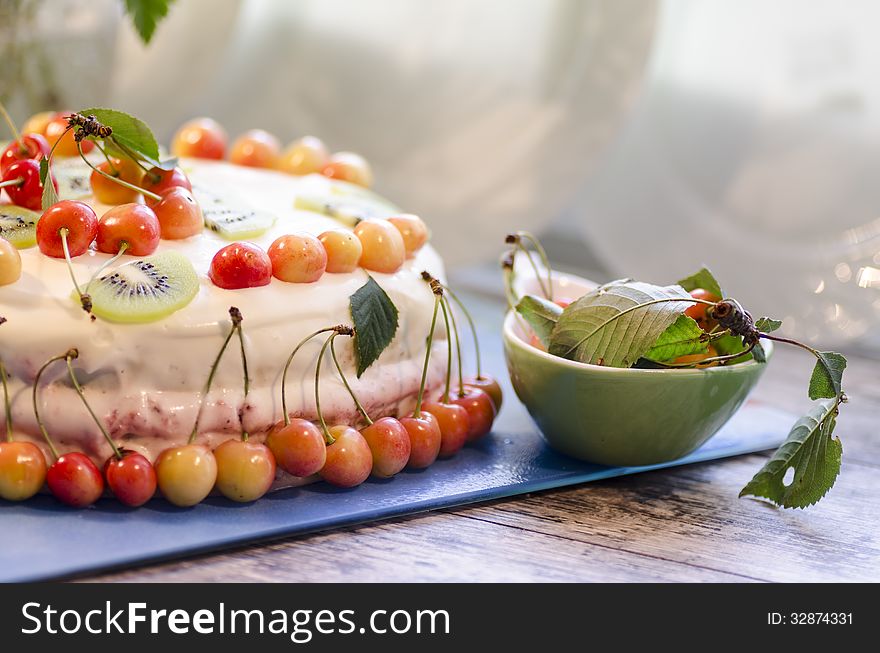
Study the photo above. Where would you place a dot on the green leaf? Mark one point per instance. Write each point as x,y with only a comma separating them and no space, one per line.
50,196
767,324
128,131
375,323
146,14
682,338
811,452
827,375
758,353
541,314
615,325
703,279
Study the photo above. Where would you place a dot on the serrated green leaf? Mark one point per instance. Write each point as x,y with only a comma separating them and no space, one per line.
702,279
682,338
767,324
50,195
44,169
827,375
758,353
541,314
375,323
146,14
615,325
811,452
128,131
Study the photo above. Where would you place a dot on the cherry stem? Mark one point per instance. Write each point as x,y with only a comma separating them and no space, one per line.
347,386
123,247
247,380
40,423
117,180
789,341
544,290
214,366
129,153
9,121
70,358
448,353
417,413
63,232
113,168
713,359
7,404
545,261
287,367
461,391
473,327
328,439
18,181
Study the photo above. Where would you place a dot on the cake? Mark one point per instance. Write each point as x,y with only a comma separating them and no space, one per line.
144,378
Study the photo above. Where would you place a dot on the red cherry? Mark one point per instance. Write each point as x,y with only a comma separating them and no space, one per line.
298,447
157,180
27,191
425,439
480,410
131,478
75,480
454,425
488,385
29,146
80,221
389,443
180,216
133,224
240,265
698,311
349,459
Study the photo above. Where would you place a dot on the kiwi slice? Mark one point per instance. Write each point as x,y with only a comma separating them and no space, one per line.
73,177
18,225
347,203
144,290
237,223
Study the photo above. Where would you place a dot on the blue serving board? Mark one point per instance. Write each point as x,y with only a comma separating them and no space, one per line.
42,539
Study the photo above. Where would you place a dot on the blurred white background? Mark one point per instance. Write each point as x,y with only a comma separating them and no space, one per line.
639,138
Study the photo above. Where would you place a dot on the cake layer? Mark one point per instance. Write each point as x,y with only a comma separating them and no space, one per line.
145,380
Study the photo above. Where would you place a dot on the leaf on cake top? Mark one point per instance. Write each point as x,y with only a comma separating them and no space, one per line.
128,131
375,320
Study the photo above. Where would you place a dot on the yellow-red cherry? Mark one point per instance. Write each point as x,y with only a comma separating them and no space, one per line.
480,410
382,244
298,447
489,385
424,438
186,475
179,214
298,258
256,148
390,445
108,191
245,470
22,470
200,138
454,425
349,459
343,249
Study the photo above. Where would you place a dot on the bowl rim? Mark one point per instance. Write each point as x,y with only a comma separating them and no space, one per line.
511,336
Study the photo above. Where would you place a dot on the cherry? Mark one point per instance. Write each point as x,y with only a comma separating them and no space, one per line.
107,191
390,445
349,167
38,122
349,459
201,138
133,226
240,265
75,480
413,230
383,246
711,352
186,475
77,218
10,263
245,470
488,385
698,311
131,478
27,146
157,181
22,470
298,258
62,140
255,148
22,183
298,447
304,156
425,439
480,410
180,216
454,424
343,249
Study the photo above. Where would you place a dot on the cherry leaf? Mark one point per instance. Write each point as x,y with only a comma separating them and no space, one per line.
811,452
375,320
128,132
767,324
541,314
702,279
50,196
682,338
827,375
146,14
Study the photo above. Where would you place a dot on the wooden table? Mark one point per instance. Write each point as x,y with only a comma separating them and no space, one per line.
683,524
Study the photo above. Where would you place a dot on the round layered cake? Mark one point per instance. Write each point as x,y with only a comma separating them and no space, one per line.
145,381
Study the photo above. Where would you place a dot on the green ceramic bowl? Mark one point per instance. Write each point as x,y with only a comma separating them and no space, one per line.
623,417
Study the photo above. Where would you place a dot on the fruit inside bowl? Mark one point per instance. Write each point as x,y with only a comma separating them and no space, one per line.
630,373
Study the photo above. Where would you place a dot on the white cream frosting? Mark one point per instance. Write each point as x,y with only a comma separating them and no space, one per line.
145,381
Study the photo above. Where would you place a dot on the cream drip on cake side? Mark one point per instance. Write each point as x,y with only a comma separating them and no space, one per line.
145,380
